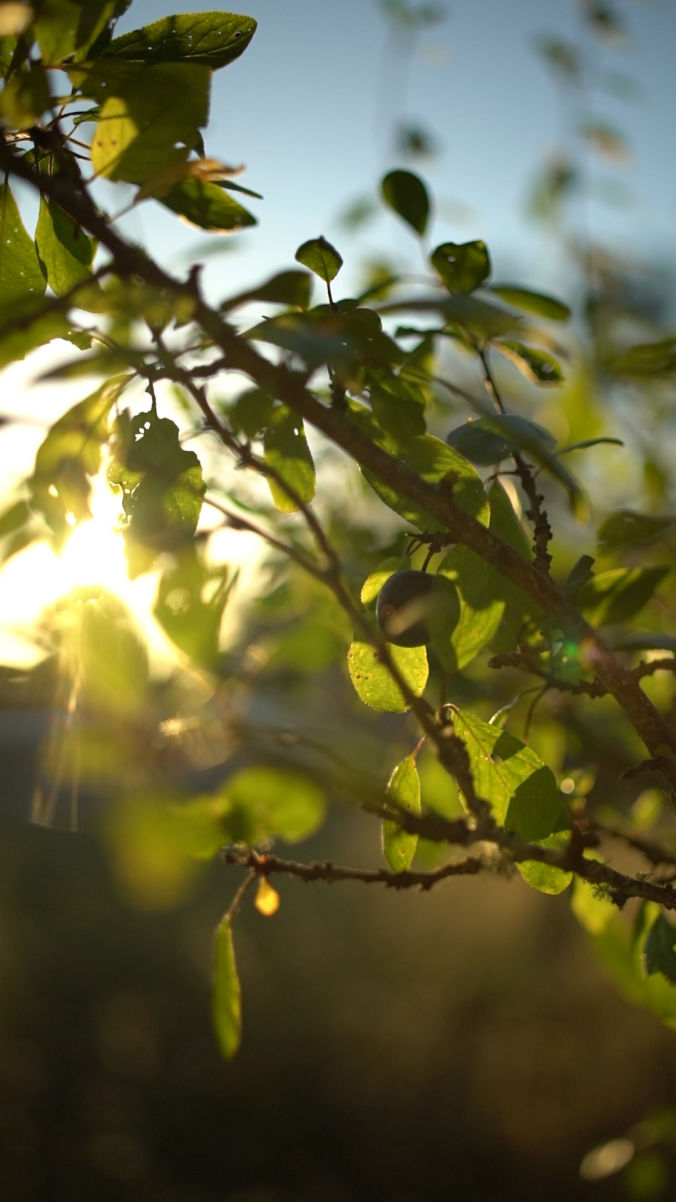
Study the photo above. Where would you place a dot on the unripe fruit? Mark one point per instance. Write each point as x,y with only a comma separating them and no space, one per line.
408,601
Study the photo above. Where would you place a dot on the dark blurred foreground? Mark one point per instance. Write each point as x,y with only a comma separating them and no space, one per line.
461,1044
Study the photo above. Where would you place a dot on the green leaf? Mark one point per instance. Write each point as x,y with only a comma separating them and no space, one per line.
70,455
544,877
646,359
463,266
626,528
538,366
287,452
403,790
509,775
478,443
112,658
407,195
25,97
152,120
263,803
227,993
619,594
372,680
210,39
591,907
162,487
207,206
321,257
68,28
251,412
398,405
532,302
530,437
505,523
433,461
20,274
659,950
189,605
463,313
285,288
64,250
27,323
481,602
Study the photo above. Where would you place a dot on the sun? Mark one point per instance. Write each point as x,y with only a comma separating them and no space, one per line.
93,556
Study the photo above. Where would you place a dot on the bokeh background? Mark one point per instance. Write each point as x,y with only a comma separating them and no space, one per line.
459,1044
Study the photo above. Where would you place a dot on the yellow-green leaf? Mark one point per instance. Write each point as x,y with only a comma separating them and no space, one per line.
287,452
373,682
227,993
403,790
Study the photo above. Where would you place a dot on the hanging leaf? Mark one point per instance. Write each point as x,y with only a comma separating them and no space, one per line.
227,993
321,257
403,790
407,195
462,266
544,877
372,680
207,206
287,452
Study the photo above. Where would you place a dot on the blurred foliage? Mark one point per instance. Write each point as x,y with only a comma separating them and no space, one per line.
467,429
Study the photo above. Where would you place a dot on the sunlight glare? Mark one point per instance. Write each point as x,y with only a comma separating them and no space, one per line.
37,577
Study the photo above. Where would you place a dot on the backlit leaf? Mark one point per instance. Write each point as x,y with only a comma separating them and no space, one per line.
207,206
434,461
64,250
538,366
321,257
532,302
372,680
544,877
20,274
261,803
463,266
403,790
211,39
521,790
152,120
407,195
287,452
619,594
227,994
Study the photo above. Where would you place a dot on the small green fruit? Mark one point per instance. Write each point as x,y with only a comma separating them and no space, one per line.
412,604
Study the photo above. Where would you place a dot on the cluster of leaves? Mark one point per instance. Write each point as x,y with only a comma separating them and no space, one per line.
359,375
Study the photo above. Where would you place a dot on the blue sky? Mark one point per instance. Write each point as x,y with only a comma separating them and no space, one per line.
310,107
